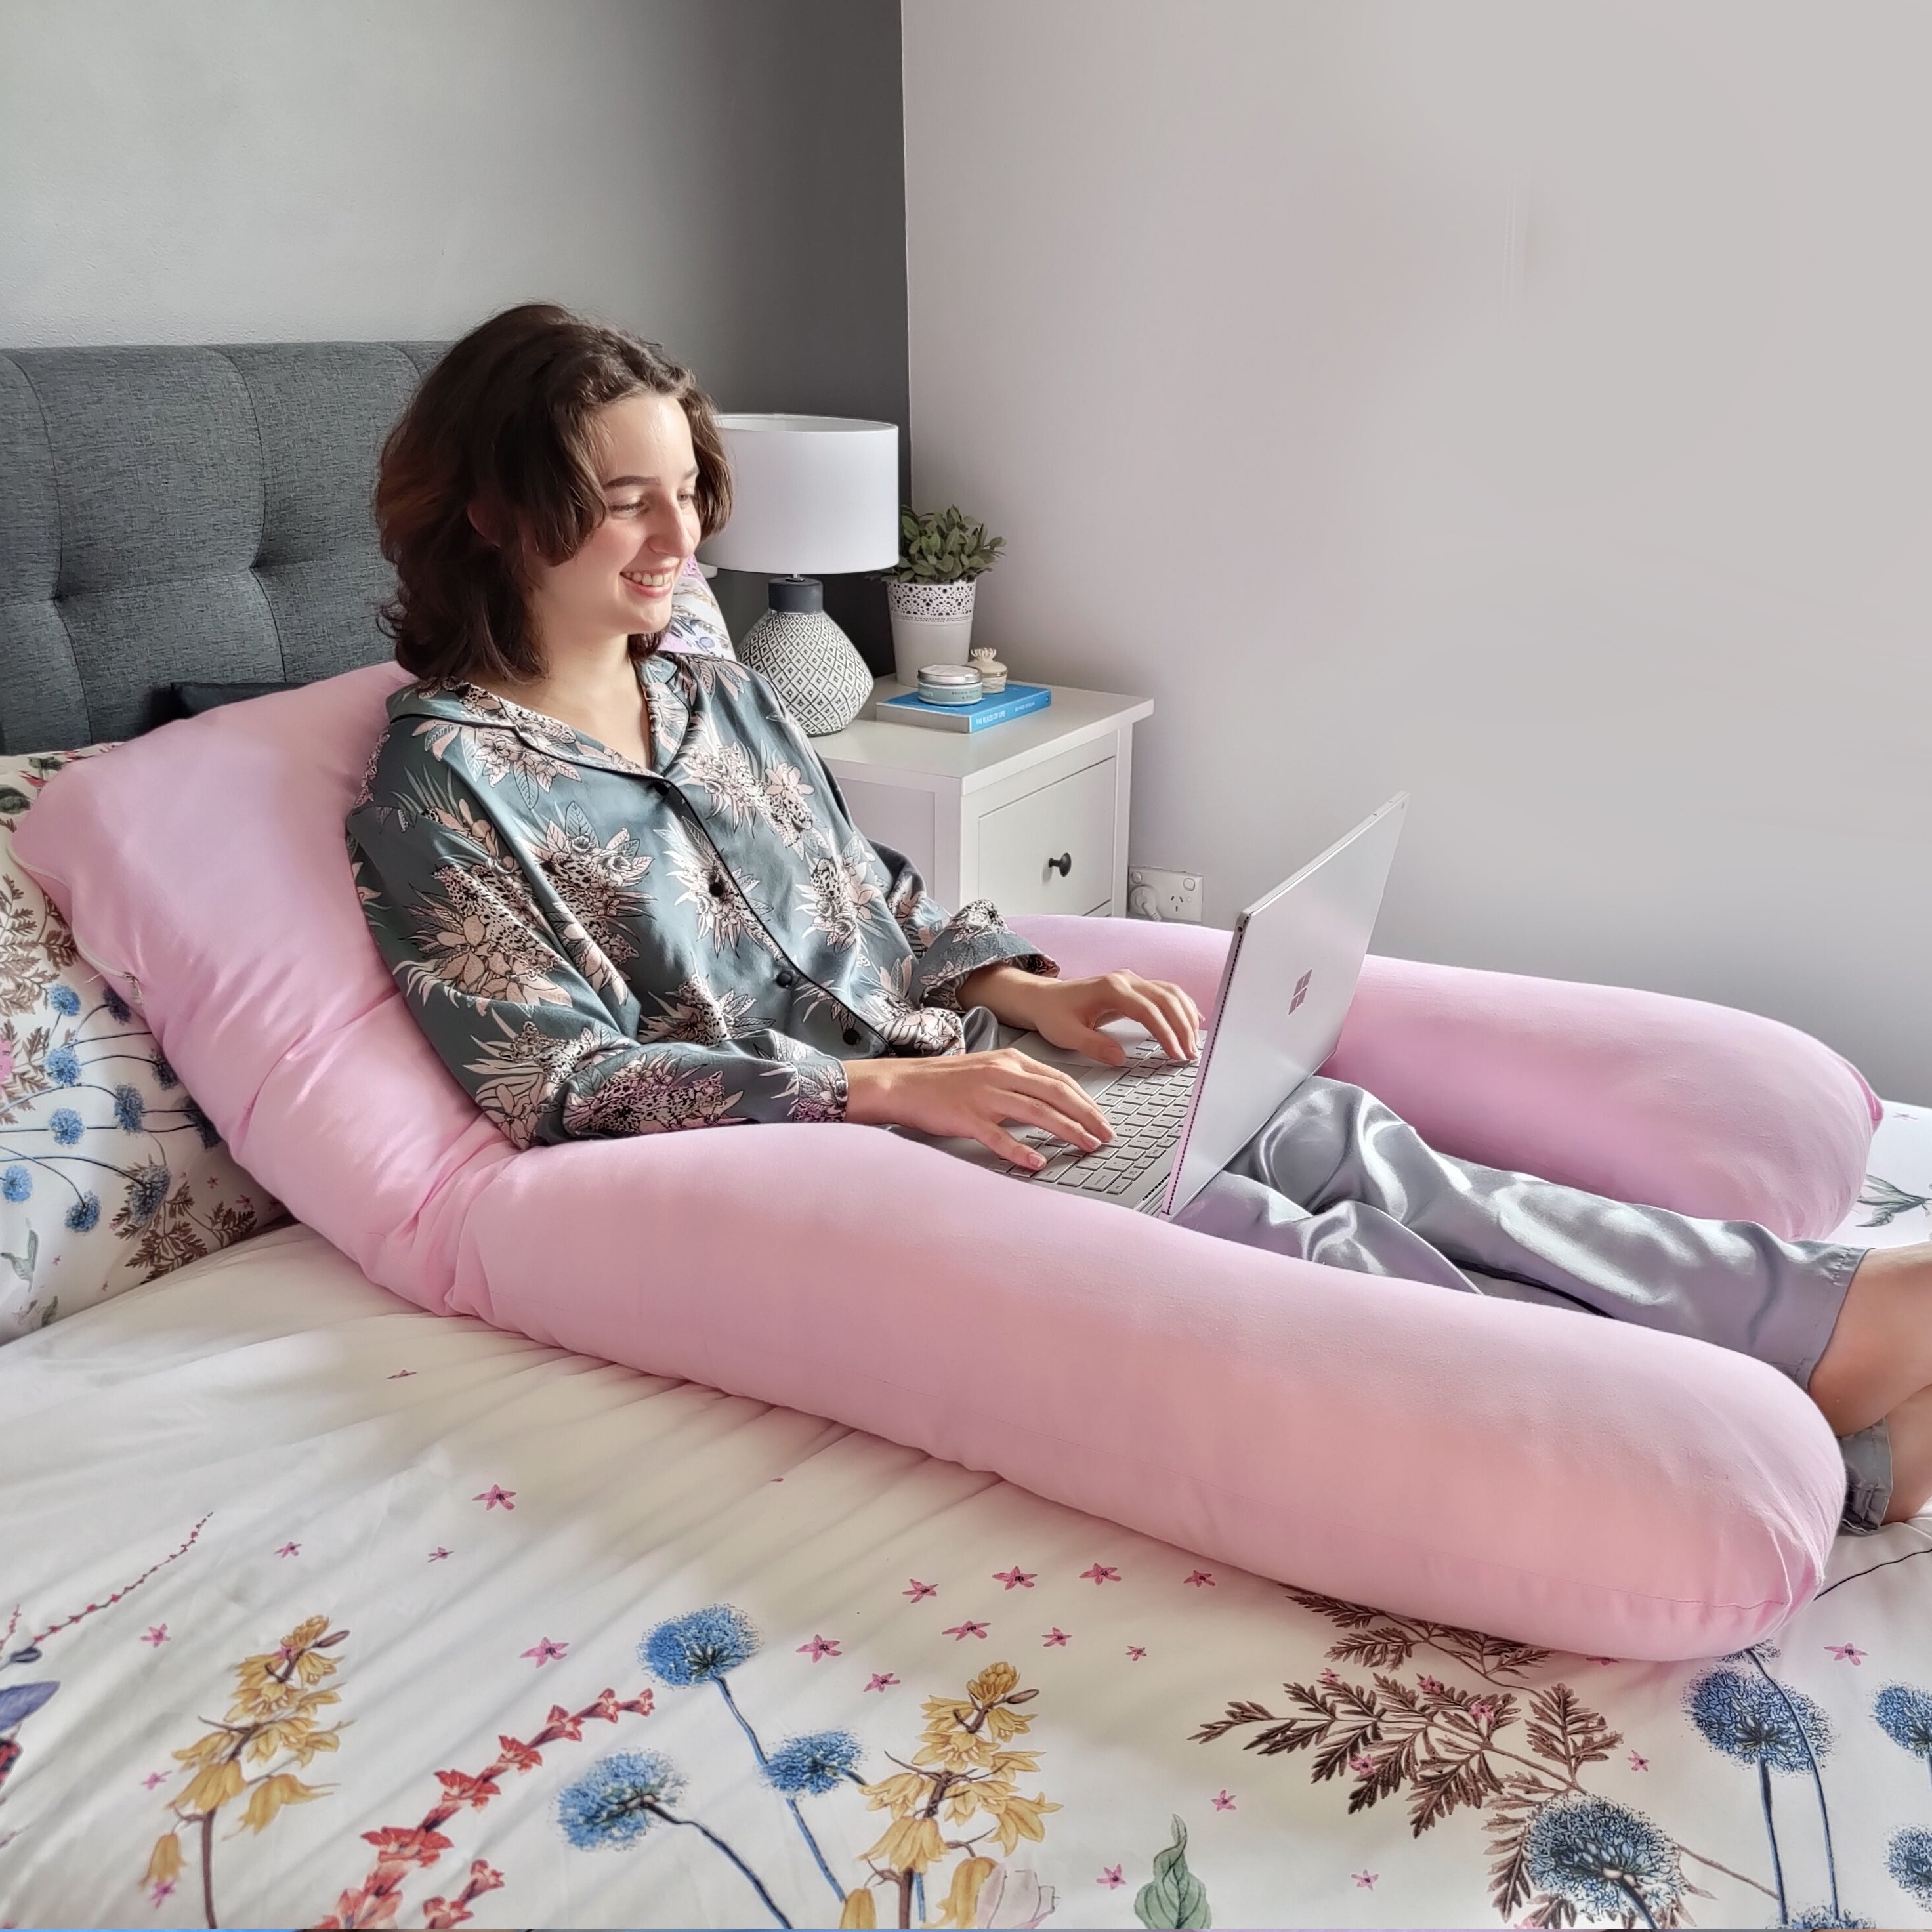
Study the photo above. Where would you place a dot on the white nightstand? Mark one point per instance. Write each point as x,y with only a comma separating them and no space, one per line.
1032,815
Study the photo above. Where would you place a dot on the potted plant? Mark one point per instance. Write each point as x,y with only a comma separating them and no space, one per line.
943,555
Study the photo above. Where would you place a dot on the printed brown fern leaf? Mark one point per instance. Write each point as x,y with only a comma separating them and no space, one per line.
1549,1910
1239,1712
1344,1615
1523,1795
1444,1787
1488,1656
1564,1729
1375,1649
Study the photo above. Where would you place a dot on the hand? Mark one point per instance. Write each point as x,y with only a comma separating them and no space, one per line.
973,1094
1070,1012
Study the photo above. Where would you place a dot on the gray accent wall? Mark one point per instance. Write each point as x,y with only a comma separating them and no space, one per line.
725,176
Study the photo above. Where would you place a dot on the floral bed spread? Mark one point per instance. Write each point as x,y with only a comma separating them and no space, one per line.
319,1610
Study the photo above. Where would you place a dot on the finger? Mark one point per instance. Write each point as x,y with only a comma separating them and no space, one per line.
1101,1046
1141,1004
990,1135
1182,1015
1056,1090
1036,1112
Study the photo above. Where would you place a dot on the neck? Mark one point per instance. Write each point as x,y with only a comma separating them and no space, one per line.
584,667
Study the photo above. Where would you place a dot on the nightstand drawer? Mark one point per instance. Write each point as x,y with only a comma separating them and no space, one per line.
1051,851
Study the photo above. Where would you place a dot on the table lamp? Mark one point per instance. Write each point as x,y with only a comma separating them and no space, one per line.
810,495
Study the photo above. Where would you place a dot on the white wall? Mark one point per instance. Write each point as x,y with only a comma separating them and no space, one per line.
1530,406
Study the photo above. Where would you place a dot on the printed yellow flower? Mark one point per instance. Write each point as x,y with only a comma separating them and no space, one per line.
212,1788
956,1751
962,1901
860,1914
164,1862
1003,1723
204,1750
993,1683
909,1844
270,1795
1017,1818
903,1792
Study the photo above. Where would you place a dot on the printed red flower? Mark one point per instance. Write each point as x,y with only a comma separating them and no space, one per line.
396,1844
475,1791
561,1724
518,1756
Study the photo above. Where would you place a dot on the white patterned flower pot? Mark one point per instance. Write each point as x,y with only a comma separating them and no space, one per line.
932,623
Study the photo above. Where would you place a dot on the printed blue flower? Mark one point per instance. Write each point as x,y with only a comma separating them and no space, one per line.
66,1126
65,999
85,1214
64,1067
203,1126
147,1189
1908,1859
1603,1858
1905,1713
130,1109
609,1805
165,1076
116,1006
703,1645
15,1183
1751,1719
814,1763
1823,1919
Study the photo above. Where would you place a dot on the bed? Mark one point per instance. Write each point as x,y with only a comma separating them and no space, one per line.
322,1610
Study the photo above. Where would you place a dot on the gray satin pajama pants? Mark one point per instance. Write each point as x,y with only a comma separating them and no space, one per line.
1335,1178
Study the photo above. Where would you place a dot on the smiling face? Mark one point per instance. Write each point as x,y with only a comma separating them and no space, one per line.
620,583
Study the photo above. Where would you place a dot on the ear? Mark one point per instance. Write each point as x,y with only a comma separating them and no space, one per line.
480,522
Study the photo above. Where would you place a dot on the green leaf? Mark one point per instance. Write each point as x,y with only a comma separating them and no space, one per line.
1174,1897
12,800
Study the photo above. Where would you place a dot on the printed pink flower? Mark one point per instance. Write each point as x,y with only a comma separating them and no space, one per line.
1432,1686
1847,1653
966,1629
1136,1651
1223,1802
495,1497
1202,1579
162,1890
401,1375
436,1554
1365,1878
1638,1761
6,1068
1360,1763
289,1550
819,1647
1015,1578
880,1681
1111,1878
1481,1712
156,1636
544,1651
1055,1637
919,1591
1329,1678
155,1777
1101,1572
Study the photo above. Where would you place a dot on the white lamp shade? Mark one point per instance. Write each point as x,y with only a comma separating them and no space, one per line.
816,496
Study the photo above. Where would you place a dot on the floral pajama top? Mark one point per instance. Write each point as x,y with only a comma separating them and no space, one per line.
597,949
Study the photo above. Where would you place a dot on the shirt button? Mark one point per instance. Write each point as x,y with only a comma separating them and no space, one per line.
717,885
787,979
851,1036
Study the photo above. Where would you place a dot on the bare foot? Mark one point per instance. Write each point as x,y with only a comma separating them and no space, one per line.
1909,1425
1880,1352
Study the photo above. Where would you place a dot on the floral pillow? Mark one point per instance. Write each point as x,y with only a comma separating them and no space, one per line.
109,1174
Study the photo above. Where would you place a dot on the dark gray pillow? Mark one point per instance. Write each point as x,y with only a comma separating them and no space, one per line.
190,700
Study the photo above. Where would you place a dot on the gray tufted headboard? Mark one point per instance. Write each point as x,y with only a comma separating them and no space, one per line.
191,514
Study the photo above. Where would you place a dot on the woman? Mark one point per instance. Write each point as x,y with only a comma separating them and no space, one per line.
622,895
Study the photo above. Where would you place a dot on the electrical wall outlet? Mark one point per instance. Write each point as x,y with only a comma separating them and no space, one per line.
1152,894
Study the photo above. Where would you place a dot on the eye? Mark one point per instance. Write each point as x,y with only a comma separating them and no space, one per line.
629,509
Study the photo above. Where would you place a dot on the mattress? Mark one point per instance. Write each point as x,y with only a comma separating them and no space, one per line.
323,1611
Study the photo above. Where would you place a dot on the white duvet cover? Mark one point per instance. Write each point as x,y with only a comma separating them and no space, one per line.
330,1612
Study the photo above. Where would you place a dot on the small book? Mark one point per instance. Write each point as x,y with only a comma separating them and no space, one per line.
1015,701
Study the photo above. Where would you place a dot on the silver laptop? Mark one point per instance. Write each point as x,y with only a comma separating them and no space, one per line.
1286,987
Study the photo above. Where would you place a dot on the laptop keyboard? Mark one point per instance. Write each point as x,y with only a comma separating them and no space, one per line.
1145,1108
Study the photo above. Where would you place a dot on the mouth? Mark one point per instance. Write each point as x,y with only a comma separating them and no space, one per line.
649,583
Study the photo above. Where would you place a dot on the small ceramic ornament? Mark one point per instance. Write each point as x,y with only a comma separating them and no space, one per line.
992,673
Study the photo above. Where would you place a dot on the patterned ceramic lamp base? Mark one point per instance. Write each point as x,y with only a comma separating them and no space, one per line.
811,663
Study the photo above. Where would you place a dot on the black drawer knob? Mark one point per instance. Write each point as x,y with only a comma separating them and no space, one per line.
1063,865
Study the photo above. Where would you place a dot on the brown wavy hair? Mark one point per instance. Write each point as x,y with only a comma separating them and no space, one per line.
503,423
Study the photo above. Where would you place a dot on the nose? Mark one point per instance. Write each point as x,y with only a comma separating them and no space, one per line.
668,536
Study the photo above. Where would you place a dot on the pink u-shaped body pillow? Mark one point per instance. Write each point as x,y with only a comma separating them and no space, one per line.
1579,1483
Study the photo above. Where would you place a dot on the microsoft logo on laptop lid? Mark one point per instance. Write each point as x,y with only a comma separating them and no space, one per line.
1301,989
